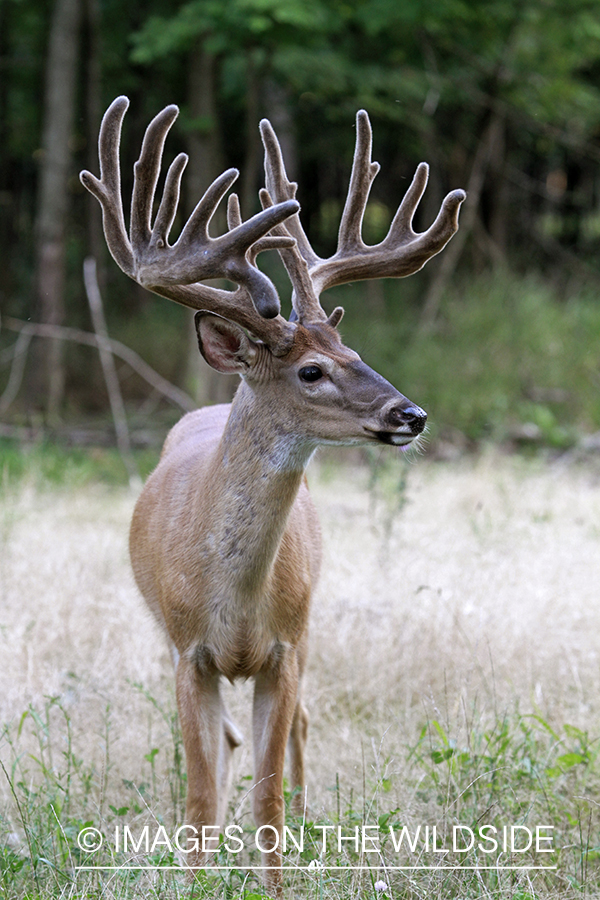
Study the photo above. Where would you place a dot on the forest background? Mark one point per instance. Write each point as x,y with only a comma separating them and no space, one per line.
454,650
497,338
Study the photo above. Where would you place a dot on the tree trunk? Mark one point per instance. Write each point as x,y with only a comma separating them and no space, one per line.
249,190
59,103
498,222
204,147
93,115
451,254
204,150
5,157
277,102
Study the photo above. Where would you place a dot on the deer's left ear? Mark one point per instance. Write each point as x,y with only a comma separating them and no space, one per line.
224,345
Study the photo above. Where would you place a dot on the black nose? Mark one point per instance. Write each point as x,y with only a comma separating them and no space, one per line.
416,418
413,416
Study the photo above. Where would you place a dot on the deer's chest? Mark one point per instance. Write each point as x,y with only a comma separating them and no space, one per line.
238,644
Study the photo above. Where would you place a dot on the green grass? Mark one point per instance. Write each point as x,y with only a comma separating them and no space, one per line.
518,771
506,351
47,465
503,352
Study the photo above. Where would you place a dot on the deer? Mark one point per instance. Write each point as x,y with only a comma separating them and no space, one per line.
225,542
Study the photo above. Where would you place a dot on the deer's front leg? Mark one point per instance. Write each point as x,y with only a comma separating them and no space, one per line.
275,695
199,705
297,739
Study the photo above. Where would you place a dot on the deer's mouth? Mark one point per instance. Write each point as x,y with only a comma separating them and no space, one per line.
393,438
397,440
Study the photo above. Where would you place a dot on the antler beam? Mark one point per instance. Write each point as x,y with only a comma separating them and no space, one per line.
401,253
175,270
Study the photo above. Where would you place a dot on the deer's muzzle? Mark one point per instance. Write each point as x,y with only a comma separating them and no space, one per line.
413,416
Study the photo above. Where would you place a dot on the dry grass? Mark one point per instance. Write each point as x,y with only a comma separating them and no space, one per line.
477,598
483,600
486,587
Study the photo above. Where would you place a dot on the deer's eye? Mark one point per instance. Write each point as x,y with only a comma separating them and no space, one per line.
310,373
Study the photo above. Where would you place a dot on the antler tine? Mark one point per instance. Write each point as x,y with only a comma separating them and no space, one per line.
198,222
403,251
305,302
361,179
280,188
234,213
437,235
107,189
170,199
402,221
272,242
174,271
146,172
300,256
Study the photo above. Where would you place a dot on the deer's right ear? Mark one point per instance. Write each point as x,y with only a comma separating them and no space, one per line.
224,345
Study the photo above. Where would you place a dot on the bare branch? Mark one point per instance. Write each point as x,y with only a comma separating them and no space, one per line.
57,332
17,369
110,373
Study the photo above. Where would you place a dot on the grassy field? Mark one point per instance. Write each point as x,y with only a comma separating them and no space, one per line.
453,682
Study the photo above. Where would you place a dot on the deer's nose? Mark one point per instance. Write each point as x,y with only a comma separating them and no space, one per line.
413,416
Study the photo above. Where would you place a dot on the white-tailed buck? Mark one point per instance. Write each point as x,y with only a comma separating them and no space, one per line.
225,541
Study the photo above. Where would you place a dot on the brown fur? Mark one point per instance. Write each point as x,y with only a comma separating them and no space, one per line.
224,540
226,548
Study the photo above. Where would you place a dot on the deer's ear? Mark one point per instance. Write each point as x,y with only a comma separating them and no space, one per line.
224,345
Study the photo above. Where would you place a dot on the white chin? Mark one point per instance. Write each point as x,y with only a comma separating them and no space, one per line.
400,440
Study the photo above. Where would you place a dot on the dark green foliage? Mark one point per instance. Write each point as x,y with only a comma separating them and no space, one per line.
432,76
48,465
507,352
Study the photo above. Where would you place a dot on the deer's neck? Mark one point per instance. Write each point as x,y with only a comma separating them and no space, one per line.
257,469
